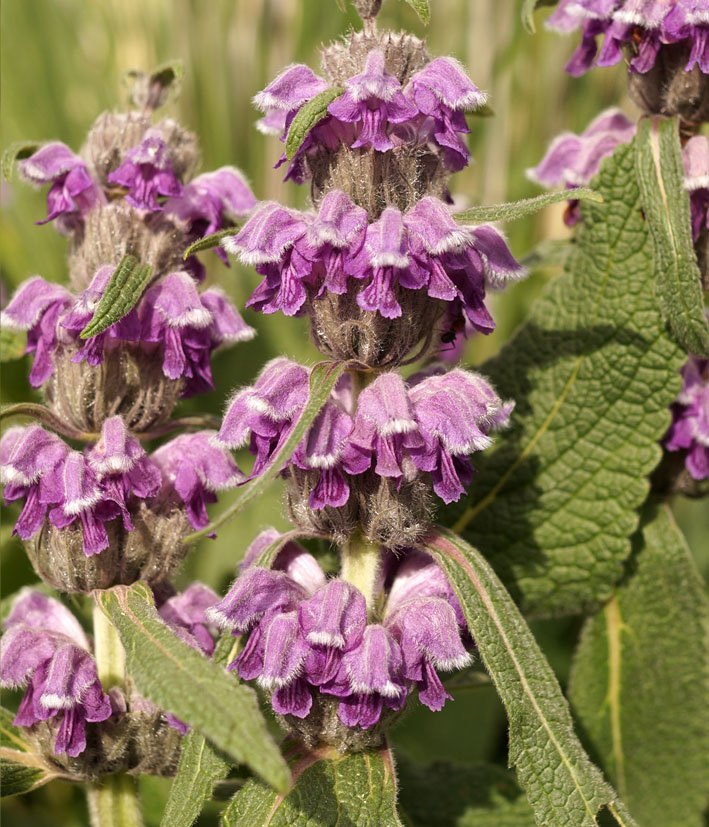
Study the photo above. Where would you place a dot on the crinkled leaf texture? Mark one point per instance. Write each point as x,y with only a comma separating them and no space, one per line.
660,171
562,785
593,373
454,795
194,689
357,790
640,680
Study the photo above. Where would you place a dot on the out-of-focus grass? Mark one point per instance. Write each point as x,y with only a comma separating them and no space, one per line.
62,62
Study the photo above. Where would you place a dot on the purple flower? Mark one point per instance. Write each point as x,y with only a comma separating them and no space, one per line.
310,635
31,459
72,193
147,172
696,168
186,614
193,469
45,650
442,92
37,307
690,418
371,101
293,87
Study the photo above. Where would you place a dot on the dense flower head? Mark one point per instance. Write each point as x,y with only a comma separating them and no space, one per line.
187,326
45,650
310,636
397,429
303,255
375,112
642,26
690,418
696,180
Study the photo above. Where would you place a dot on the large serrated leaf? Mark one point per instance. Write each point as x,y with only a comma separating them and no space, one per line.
355,790
527,206
182,681
121,295
561,783
453,795
308,116
593,373
660,171
323,379
640,680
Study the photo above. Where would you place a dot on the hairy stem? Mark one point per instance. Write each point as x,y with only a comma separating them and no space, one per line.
360,563
109,652
113,802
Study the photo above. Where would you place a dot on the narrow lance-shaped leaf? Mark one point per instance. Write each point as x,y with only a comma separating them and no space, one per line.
323,379
658,161
328,788
593,373
527,206
14,153
422,9
123,292
561,783
209,241
182,681
640,680
308,116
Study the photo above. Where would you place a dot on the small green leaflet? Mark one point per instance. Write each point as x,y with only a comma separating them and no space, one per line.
518,209
123,292
323,379
665,201
562,785
18,151
184,682
422,9
13,344
308,116
640,679
328,788
454,795
209,241
21,769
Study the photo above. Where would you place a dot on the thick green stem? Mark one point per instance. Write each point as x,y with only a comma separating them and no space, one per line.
113,802
360,563
109,652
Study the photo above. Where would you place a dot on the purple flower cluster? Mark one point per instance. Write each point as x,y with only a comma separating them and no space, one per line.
400,430
374,111
302,254
186,326
642,25
309,634
572,161
108,479
45,650
690,418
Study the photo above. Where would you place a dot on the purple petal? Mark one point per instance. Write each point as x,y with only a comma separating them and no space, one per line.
335,616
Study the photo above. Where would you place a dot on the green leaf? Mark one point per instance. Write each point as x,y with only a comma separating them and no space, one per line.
34,410
527,206
201,766
209,241
323,379
182,681
120,296
21,769
660,171
528,9
553,252
13,344
308,116
640,680
561,783
454,795
328,788
593,373
18,151
422,9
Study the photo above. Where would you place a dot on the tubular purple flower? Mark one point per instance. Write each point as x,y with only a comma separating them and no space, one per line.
187,612
295,85
45,650
193,469
72,193
147,172
696,168
690,418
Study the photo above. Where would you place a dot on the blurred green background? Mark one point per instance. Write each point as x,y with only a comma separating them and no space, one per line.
62,63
